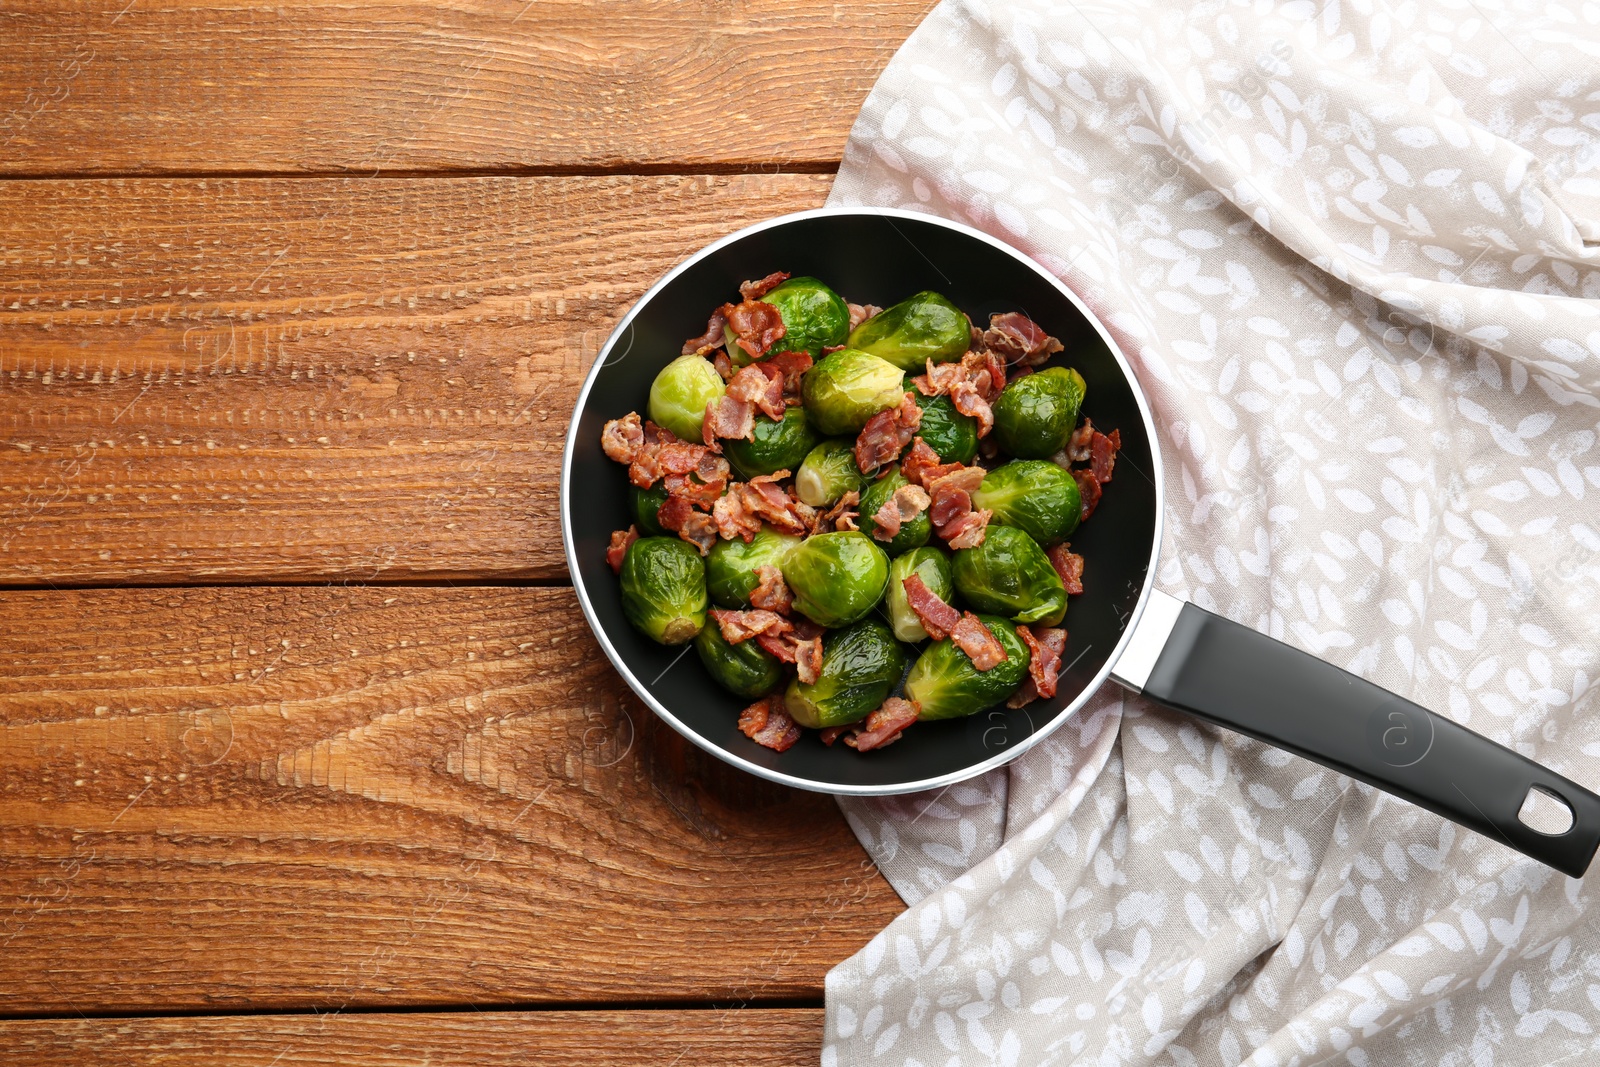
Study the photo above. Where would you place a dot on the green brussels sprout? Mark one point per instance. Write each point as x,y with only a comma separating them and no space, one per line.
680,393
814,317
1034,495
944,429
745,669
827,473
918,329
643,505
1035,414
933,567
836,578
860,666
777,445
913,534
731,565
946,685
1010,575
847,388
664,589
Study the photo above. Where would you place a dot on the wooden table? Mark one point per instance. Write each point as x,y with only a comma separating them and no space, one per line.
306,753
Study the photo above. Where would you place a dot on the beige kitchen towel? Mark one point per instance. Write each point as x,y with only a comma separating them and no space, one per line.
1351,250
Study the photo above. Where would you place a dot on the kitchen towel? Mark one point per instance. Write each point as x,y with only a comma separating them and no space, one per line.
1351,250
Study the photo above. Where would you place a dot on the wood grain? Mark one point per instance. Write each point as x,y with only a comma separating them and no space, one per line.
749,1037
173,86
330,798
282,380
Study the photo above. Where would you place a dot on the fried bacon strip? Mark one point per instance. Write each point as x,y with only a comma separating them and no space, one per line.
970,384
756,326
696,527
1099,450
622,439
712,339
907,503
740,626
952,514
886,434
801,645
620,540
728,416
922,466
841,516
971,636
761,386
937,617
771,592
1103,449
1017,339
1069,565
860,313
757,289
884,726
794,366
1045,646
767,723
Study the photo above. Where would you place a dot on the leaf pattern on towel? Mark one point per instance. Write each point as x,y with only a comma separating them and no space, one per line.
1353,252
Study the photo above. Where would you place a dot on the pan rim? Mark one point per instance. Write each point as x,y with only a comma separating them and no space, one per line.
837,789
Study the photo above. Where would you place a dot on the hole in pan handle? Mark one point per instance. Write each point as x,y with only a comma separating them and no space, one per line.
1196,662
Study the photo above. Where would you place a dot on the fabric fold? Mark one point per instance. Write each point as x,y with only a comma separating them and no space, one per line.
1350,249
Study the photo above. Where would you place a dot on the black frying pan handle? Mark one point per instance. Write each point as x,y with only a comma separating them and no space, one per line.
1232,676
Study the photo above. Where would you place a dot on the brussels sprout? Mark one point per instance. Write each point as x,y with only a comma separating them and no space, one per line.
777,445
643,504
745,669
1034,495
860,666
913,534
933,567
1010,575
945,430
680,393
814,317
946,685
731,566
1034,415
664,589
836,578
828,472
847,388
919,328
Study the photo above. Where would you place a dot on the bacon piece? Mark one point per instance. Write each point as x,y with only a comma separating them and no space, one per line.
937,617
800,644
886,434
758,289
1018,339
620,540
794,366
1103,449
1069,565
969,530
728,416
907,503
740,626
1078,445
971,384
1088,493
713,338
951,511
971,636
757,326
771,592
1044,660
767,723
733,519
860,313
921,459
808,659
760,385
885,725
764,497
832,734
696,527
841,516
955,477
622,439
723,365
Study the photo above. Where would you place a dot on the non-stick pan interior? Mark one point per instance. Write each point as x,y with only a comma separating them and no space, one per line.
868,258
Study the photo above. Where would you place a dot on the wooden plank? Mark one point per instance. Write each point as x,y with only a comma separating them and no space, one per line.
749,1037
326,797
281,380
173,86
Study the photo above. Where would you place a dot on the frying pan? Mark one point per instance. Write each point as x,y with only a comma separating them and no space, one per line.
1120,627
